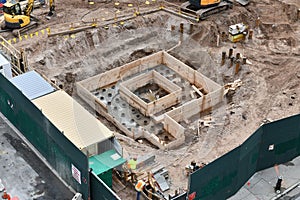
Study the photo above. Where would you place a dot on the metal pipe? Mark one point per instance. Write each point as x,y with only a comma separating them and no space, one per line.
250,35
244,60
223,58
181,28
223,36
172,27
230,53
231,61
191,28
257,22
237,67
238,56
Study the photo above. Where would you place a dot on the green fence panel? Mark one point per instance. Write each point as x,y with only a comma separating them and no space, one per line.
60,153
218,179
280,142
100,191
249,153
273,143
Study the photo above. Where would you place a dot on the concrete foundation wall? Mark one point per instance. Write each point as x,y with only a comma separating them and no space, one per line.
201,80
163,103
172,127
133,100
193,76
182,69
137,82
101,80
187,110
85,94
141,64
196,106
212,99
126,90
128,74
175,143
154,140
119,73
164,83
192,108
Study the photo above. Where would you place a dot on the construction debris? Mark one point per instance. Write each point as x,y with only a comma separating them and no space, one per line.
232,86
267,47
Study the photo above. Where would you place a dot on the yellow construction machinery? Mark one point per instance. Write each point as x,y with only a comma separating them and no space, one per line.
52,9
20,21
205,8
237,32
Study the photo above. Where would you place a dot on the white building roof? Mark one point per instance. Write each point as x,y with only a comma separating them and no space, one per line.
76,123
32,85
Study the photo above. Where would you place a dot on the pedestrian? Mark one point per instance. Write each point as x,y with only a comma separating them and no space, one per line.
5,196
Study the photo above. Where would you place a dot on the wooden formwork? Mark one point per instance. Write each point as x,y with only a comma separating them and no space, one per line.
126,90
131,78
172,127
196,106
119,73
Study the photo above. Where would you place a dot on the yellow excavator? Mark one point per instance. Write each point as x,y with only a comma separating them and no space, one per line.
20,21
205,8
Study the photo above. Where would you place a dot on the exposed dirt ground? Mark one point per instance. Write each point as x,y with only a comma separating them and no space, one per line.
271,79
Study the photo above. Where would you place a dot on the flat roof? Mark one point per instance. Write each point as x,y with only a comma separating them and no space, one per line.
76,123
32,85
105,161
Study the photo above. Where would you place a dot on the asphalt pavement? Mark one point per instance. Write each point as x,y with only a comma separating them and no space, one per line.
22,172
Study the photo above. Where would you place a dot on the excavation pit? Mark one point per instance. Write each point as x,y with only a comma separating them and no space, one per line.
150,97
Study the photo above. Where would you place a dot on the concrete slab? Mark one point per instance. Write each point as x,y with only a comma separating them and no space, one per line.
261,188
23,174
263,182
267,174
243,193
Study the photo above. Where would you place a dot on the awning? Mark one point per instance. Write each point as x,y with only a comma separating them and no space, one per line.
105,161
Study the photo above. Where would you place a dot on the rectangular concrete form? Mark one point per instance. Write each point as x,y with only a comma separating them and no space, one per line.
156,104
114,95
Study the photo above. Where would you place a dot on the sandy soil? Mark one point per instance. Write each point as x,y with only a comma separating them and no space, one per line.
270,87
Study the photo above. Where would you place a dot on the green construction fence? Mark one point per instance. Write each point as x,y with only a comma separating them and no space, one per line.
59,152
273,143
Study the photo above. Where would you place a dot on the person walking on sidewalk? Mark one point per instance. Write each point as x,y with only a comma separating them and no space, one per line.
5,196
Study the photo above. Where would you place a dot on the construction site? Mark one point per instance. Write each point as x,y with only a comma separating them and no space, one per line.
176,88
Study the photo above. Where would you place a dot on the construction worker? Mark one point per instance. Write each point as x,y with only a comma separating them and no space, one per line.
132,168
139,187
5,196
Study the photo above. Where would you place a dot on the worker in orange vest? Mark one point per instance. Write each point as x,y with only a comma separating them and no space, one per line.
139,187
5,196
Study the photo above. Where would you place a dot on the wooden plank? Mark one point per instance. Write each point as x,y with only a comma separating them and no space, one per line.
197,91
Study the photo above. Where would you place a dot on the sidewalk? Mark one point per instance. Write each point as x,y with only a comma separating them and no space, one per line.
23,174
261,185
